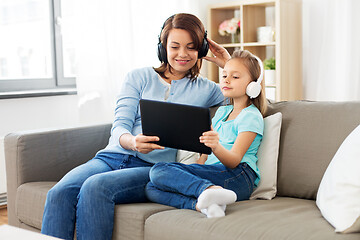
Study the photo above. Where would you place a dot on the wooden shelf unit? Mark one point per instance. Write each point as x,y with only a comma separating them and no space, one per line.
284,16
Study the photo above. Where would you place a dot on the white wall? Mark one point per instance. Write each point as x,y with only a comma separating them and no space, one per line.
40,113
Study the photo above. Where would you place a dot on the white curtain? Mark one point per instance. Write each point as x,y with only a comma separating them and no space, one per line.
114,37
331,50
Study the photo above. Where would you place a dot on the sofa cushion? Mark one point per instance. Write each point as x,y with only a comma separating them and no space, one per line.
129,219
30,202
311,133
280,218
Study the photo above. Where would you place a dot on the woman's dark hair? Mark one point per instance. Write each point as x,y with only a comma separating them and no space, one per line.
196,29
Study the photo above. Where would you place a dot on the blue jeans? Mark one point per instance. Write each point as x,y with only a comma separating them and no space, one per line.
179,185
86,196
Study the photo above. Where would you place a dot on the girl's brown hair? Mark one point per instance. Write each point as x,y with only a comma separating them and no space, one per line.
252,65
196,29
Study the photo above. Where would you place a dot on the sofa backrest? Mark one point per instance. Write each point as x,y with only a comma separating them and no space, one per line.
311,133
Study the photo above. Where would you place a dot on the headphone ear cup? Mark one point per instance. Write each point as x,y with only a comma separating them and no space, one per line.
162,53
253,89
204,48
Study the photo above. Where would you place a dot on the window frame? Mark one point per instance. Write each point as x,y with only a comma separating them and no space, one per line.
67,85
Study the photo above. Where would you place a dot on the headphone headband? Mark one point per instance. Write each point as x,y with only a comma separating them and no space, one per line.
260,78
161,50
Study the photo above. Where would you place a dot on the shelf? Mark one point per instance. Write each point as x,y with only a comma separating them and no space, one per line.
252,44
283,16
231,45
259,44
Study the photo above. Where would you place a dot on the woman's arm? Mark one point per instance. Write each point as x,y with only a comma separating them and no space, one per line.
230,158
221,55
126,113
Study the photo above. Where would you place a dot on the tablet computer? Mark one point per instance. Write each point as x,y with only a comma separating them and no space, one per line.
177,125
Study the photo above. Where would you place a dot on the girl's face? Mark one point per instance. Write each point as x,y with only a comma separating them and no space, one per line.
235,79
181,54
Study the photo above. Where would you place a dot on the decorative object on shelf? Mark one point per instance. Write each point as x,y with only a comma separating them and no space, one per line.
265,34
231,27
269,66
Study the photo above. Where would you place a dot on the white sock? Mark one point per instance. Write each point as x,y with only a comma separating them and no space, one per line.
204,211
214,210
219,196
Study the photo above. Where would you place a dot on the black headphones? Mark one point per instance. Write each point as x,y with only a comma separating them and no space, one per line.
161,50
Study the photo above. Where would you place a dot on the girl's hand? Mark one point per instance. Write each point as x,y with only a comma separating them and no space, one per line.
221,55
144,144
210,139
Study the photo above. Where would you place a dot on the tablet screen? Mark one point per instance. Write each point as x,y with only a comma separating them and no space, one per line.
177,125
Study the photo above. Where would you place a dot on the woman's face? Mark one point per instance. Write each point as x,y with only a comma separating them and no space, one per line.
181,53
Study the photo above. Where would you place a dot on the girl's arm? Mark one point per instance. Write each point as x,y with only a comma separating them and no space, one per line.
202,159
230,158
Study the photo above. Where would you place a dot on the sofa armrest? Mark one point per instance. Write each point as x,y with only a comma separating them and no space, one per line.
48,155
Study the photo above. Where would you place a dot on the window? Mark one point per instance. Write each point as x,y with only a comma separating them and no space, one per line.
36,45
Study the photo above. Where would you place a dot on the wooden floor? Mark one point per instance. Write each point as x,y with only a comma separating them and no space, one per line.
3,215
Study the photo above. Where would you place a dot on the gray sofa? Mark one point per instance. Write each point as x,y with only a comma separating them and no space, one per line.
311,134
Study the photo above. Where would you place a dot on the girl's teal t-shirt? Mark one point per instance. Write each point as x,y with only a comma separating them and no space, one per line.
248,120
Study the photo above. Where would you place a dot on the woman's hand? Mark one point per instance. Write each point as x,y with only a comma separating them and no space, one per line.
144,144
210,139
140,143
221,55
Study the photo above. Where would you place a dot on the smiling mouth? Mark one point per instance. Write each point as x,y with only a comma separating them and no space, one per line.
182,61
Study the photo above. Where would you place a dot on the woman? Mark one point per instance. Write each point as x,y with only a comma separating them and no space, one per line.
119,173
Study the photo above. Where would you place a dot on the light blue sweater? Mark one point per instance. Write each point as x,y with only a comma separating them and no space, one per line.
145,83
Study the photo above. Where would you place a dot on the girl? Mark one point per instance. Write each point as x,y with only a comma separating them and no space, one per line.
86,196
230,173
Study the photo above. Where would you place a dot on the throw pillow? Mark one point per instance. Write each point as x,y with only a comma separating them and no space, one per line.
338,197
187,157
268,157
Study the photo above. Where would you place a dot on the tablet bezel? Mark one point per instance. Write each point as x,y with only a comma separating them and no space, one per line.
177,125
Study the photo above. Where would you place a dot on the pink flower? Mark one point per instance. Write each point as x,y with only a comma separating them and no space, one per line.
229,26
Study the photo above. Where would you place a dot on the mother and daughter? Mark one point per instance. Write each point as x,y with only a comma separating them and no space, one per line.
132,168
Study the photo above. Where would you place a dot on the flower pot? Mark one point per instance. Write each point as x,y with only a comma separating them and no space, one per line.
270,77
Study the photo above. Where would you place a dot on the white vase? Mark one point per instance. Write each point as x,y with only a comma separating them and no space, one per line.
269,77
265,34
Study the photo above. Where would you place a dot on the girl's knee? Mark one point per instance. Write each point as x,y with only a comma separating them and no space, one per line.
158,171
161,171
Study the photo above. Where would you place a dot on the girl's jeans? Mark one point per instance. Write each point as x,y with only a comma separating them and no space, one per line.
86,196
179,185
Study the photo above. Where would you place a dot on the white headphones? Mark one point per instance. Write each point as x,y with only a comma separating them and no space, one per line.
254,88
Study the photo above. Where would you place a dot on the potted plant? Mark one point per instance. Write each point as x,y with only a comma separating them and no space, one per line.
269,66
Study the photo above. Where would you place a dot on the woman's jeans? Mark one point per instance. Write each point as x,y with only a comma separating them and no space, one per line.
179,185
86,196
